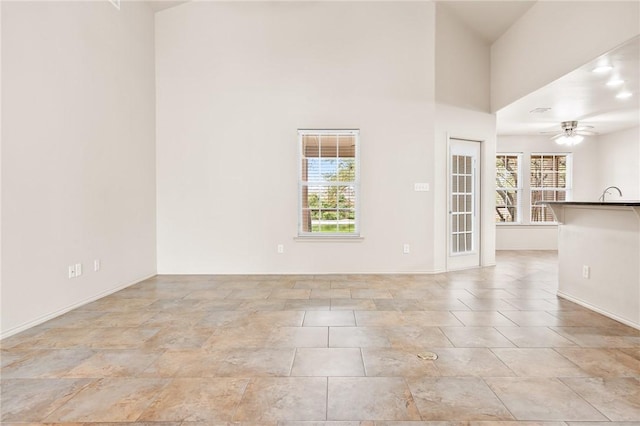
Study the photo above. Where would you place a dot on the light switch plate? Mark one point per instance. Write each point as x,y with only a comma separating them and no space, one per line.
421,187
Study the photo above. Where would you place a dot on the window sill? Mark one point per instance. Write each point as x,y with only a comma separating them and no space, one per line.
526,225
329,238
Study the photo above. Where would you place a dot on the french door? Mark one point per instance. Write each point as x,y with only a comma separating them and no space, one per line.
464,204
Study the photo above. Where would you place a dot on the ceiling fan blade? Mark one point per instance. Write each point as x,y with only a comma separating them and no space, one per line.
557,136
586,133
548,132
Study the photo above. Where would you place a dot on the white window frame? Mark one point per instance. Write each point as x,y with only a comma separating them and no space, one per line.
356,184
567,190
519,190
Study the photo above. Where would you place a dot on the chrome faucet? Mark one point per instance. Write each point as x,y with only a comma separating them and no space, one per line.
606,191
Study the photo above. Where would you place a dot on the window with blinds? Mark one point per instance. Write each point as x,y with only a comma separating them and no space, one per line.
329,182
508,188
550,181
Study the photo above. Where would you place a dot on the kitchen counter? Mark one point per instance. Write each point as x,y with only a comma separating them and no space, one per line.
599,256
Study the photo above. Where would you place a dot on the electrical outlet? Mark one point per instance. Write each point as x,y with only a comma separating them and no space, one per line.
78,269
280,248
421,187
72,271
586,271
96,265
406,249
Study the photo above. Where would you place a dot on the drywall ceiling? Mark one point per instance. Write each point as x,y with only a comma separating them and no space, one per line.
582,95
489,19
158,5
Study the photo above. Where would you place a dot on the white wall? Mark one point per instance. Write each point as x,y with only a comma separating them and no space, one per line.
464,124
554,38
585,188
619,163
234,83
462,64
78,177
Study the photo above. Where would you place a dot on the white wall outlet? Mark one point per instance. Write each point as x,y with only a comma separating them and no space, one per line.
406,249
78,269
281,248
96,265
72,271
586,271
421,187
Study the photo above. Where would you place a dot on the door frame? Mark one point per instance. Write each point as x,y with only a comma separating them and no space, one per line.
478,207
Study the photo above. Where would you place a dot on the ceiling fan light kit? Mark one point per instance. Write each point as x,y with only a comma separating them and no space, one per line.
571,134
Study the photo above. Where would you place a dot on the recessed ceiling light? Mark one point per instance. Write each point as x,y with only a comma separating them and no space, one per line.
603,68
624,95
539,110
615,82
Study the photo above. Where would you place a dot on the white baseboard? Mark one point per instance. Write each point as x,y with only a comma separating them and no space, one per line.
52,315
599,310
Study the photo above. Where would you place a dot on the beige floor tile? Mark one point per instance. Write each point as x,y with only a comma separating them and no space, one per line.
25,400
416,337
391,362
367,398
179,338
284,398
196,400
370,293
476,337
262,305
202,330
601,337
456,398
171,320
489,305
260,362
46,363
208,294
358,337
585,318
299,337
599,362
346,362
399,305
290,293
114,363
121,337
188,363
532,318
538,362
334,293
250,293
459,362
482,318
329,319
307,305
542,399
313,284
353,305
617,398
113,399
410,318
443,305
534,337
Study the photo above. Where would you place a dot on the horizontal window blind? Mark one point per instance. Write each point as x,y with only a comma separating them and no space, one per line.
328,182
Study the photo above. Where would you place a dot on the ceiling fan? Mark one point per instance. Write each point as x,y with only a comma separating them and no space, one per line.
571,133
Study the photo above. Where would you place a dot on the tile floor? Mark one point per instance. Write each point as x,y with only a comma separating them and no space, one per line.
341,349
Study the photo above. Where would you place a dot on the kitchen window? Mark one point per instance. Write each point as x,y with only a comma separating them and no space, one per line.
508,188
550,180
329,183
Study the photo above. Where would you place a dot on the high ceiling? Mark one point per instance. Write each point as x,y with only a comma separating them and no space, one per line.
489,19
580,95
